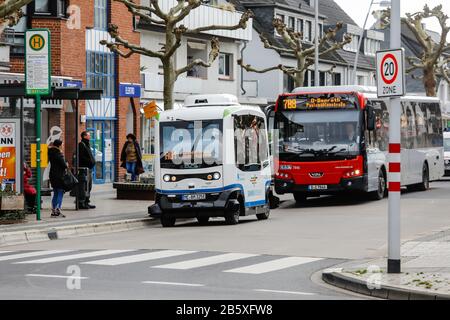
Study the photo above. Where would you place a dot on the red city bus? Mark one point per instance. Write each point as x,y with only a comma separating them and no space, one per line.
335,139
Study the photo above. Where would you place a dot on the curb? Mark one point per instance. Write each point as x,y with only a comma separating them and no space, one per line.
73,231
342,281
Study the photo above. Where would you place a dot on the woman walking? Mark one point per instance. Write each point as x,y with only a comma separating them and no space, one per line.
58,166
131,157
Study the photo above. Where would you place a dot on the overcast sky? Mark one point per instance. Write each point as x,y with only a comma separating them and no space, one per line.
357,9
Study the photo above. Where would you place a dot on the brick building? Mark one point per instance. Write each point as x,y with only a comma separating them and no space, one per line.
77,27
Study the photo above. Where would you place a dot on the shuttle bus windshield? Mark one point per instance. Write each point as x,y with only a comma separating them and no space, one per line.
191,144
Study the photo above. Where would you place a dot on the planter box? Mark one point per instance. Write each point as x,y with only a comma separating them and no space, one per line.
134,191
11,203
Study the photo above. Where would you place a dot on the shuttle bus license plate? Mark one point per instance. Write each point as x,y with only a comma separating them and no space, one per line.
193,197
318,187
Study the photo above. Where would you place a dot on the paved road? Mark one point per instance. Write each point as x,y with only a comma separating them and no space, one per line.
274,256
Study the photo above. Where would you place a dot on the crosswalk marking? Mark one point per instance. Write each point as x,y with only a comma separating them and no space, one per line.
208,261
174,283
139,257
31,254
74,256
273,265
55,276
286,292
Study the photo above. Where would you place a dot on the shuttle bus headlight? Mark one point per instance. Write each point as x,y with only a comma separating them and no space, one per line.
216,176
173,179
166,178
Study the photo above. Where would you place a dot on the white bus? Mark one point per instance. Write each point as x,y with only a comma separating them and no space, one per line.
447,153
214,161
335,139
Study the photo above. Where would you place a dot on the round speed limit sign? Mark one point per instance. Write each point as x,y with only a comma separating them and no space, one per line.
390,73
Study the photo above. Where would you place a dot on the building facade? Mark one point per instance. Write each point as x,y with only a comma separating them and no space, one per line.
299,15
78,59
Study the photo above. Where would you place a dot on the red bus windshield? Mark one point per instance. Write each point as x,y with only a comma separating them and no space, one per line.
318,127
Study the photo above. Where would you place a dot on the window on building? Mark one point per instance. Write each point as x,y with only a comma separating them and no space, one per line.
320,30
337,79
308,31
291,23
300,25
288,83
100,72
352,46
280,17
41,6
361,80
101,14
197,50
226,65
323,78
56,8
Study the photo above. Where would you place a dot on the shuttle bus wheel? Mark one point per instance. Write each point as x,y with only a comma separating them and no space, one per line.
168,222
232,215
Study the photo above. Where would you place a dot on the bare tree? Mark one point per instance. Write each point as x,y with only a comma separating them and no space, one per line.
170,22
10,12
295,48
433,61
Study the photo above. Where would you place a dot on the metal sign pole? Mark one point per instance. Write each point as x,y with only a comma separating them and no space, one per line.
394,256
38,157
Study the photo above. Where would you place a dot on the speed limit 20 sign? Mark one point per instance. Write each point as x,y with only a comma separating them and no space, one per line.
391,73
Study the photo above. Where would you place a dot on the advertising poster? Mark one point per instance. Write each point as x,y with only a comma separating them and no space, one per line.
9,160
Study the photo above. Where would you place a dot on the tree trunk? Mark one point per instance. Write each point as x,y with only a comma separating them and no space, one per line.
429,81
169,83
169,70
299,79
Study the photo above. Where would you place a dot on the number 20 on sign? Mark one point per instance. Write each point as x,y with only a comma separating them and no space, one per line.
391,73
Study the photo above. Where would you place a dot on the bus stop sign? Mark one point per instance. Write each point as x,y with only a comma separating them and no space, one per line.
391,73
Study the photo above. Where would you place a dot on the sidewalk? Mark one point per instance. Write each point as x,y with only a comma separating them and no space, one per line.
425,272
109,215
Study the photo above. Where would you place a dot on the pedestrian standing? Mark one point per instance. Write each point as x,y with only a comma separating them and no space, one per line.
131,157
57,171
87,161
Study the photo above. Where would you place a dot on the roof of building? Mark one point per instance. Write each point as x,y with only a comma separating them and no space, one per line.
334,14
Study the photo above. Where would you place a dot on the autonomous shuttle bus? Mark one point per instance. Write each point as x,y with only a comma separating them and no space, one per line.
447,153
213,161
335,139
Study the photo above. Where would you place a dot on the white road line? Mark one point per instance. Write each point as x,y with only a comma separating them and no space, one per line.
273,265
208,261
139,257
286,292
75,256
2,252
55,276
174,283
31,254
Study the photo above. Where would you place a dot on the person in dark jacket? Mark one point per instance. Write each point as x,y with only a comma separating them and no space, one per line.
131,157
58,166
87,160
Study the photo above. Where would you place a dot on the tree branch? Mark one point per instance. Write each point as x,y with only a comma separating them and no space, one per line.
136,11
132,48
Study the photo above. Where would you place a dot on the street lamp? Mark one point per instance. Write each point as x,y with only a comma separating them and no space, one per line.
384,3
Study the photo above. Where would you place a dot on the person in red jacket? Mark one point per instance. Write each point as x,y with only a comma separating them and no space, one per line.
28,189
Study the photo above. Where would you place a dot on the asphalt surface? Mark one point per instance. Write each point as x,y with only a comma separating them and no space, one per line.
263,260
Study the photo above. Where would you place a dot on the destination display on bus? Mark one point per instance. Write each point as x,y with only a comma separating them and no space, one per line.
319,102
